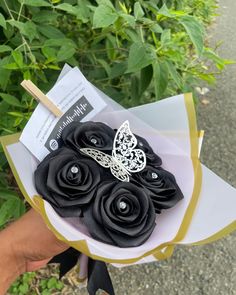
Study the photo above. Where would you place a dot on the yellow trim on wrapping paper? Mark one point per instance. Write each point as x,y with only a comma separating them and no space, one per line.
164,250
201,133
219,235
81,245
194,142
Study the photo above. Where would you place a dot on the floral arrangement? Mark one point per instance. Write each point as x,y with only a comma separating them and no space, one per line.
118,207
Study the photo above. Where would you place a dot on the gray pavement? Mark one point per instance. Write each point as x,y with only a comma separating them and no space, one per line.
209,269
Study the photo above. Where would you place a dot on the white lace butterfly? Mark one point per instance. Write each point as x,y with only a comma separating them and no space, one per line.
125,158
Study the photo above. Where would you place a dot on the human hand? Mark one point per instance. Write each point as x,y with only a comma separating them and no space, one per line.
26,245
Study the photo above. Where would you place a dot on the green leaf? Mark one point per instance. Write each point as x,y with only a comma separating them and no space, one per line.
138,11
6,194
156,28
10,99
4,211
49,52
27,75
59,285
24,288
133,35
134,89
104,16
106,3
9,31
105,65
3,21
17,122
28,29
206,77
11,66
164,11
52,282
140,56
16,114
7,209
36,3
59,42
174,74
18,58
165,37
111,47
50,32
4,78
65,52
118,70
19,207
145,78
46,292
129,19
195,31
45,16
160,77
4,73
81,10
219,62
4,48
67,7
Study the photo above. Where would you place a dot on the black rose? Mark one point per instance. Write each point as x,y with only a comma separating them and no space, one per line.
67,181
162,187
90,134
122,214
152,158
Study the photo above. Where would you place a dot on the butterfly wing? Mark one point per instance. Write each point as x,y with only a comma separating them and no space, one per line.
101,158
119,172
107,161
133,160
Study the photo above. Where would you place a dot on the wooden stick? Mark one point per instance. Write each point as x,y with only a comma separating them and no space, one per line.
33,90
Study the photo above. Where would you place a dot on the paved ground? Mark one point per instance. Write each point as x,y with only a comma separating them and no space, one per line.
211,269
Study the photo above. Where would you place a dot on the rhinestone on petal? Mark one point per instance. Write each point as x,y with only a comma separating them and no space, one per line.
122,205
94,140
74,169
154,175
140,144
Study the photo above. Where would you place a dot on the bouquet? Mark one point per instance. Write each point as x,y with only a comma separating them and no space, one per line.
119,186
118,206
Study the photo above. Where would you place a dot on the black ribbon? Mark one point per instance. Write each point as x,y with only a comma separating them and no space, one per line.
98,275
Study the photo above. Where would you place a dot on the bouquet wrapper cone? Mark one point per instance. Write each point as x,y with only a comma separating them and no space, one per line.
206,214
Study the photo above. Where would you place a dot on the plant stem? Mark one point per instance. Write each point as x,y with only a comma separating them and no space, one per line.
20,10
8,9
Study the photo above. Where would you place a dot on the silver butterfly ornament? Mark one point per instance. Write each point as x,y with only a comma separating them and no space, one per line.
125,158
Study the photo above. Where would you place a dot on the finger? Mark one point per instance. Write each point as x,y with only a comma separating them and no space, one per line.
34,265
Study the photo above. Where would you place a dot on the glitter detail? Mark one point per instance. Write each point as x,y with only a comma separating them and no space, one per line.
123,205
154,175
74,169
94,140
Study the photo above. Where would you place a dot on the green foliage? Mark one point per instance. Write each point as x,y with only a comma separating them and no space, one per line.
11,207
111,41
29,282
